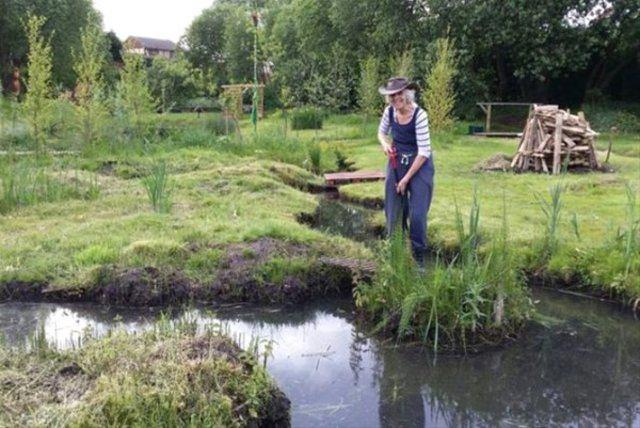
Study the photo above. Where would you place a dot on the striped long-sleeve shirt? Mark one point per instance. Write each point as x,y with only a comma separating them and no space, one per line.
422,129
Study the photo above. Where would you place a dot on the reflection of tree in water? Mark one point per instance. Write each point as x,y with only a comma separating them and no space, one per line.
358,345
574,373
344,219
283,316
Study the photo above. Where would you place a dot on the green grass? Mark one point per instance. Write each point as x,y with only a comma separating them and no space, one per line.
169,376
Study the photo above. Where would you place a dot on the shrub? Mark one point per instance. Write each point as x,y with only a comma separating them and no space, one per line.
306,118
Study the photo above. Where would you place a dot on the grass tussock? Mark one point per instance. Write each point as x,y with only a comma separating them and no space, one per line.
169,376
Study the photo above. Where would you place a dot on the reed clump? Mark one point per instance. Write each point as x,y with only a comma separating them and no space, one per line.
458,305
158,187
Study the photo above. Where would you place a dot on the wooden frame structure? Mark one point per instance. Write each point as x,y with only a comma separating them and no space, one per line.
486,108
235,93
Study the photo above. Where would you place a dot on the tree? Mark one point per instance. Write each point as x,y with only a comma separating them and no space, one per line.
115,46
369,99
172,81
205,41
238,46
134,98
37,103
64,21
401,64
439,95
91,109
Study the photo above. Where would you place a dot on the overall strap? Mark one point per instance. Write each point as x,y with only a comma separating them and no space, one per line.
390,115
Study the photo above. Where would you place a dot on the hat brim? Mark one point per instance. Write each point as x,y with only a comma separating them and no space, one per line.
384,91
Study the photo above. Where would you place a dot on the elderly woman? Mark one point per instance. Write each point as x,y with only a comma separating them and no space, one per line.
409,183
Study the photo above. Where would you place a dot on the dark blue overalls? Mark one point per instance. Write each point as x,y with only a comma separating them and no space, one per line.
414,206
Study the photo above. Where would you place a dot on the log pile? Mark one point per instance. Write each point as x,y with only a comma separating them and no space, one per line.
553,138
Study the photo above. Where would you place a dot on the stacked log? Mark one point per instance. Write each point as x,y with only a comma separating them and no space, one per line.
553,138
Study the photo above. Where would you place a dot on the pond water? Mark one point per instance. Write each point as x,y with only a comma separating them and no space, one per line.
340,218
581,368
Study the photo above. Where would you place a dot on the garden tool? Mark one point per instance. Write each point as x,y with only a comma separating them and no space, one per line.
393,158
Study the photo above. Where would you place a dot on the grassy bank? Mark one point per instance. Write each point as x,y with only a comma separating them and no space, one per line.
229,193
232,207
167,376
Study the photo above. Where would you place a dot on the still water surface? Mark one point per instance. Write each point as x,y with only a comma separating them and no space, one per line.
581,369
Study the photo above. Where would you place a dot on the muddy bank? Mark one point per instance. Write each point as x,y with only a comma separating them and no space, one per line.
263,271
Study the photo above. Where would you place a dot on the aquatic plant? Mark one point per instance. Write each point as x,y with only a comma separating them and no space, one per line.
469,301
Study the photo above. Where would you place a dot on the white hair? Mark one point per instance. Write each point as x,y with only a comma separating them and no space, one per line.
409,96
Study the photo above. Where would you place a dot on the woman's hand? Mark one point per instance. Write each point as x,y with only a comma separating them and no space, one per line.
387,149
401,187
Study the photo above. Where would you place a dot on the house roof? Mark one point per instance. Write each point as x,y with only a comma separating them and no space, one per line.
149,43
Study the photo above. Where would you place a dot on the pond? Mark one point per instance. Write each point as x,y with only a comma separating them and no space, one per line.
579,365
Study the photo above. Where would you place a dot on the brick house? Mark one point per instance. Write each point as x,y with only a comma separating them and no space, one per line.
150,47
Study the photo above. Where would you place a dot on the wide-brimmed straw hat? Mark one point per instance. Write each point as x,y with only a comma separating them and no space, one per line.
396,84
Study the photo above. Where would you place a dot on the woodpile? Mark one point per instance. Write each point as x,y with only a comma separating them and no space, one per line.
553,138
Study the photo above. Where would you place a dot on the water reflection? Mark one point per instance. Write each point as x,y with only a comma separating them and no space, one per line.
583,369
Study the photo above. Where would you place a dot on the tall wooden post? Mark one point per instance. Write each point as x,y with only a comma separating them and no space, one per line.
487,127
557,141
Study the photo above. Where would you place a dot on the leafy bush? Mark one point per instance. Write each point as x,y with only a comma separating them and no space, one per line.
306,118
602,117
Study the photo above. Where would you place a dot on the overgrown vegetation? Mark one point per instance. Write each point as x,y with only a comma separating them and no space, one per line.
167,376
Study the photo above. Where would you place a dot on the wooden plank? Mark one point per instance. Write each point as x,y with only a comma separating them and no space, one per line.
498,134
338,178
568,141
545,168
557,140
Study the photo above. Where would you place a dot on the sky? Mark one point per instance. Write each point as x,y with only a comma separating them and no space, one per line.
160,19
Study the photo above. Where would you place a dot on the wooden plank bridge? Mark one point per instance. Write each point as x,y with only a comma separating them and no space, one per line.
339,178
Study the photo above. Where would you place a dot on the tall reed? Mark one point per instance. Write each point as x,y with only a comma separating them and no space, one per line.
552,210
158,188
632,235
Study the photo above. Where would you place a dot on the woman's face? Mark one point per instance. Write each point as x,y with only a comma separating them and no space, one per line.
398,101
